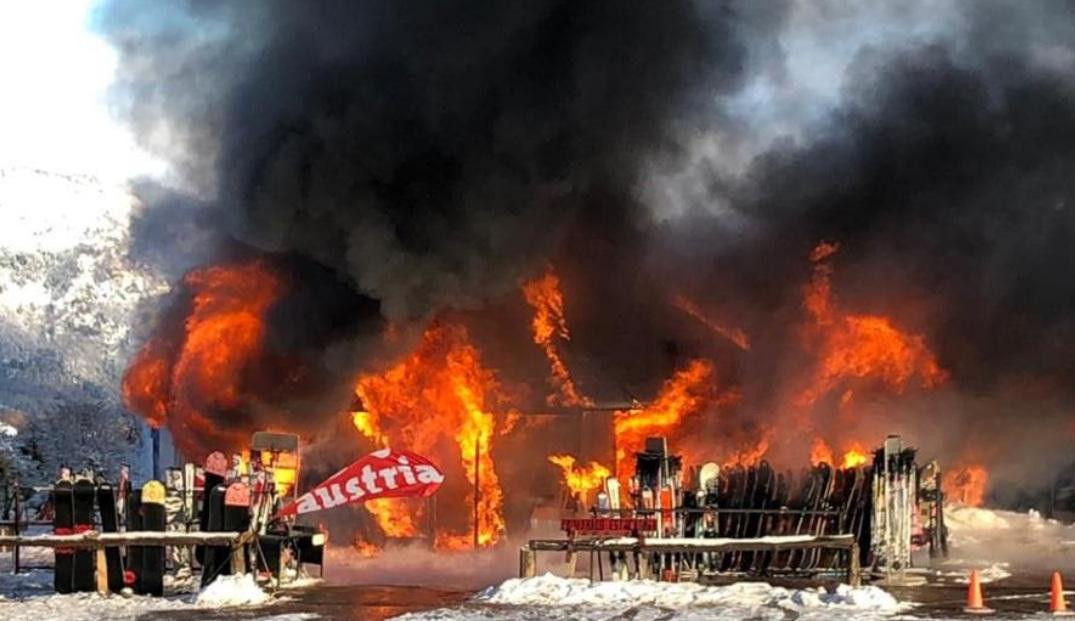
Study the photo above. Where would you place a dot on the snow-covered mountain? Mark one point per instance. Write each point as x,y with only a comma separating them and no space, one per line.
69,293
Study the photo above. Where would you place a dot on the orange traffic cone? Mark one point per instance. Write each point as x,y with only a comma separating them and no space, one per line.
974,596
1057,604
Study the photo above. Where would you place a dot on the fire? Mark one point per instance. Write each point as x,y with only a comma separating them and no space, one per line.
966,485
366,424
365,549
859,346
183,380
580,480
440,391
820,453
748,455
853,457
685,393
544,295
394,516
735,335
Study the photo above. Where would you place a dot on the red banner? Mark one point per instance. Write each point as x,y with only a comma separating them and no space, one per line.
381,474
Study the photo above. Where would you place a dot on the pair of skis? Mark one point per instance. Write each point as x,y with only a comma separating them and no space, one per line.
226,508
73,513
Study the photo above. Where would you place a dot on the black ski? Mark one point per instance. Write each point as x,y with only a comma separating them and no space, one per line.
237,512
63,522
106,503
133,576
85,577
153,519
216,467
217,561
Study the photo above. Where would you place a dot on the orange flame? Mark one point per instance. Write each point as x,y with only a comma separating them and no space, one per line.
580,480
748,455
683,394
440,390
365,549
544,295
966,484
735,335
855,456
820,453
181,383
859,346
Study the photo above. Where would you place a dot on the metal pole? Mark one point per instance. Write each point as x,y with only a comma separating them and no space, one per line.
15,549
155,436
477,487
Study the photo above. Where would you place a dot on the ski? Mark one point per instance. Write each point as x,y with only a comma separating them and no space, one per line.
153,519
237,514
106,503
216,468
216,558
85,492
63,522
132,577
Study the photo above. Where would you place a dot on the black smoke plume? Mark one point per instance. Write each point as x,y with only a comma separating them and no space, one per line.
429,155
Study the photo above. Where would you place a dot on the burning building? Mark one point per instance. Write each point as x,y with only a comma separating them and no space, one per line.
505,241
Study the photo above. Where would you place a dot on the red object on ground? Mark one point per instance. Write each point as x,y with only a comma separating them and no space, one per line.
1057,604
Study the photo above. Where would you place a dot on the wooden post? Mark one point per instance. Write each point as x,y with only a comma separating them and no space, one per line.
527,562
854,572
571,559
15,557
477,487
102,570
238,560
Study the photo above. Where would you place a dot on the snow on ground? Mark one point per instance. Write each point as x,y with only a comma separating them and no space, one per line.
29,596
238,590
552,597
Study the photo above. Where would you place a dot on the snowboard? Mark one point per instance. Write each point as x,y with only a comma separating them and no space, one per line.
216,467
85,576
63,521
133,576
106,504
153,519
237,513
216,561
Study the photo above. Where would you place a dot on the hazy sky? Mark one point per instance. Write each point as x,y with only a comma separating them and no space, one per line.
55,74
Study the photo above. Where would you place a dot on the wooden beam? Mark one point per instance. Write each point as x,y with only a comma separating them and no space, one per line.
111,540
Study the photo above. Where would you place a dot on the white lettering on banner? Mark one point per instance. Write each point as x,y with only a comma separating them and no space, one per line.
389,476
405,469
307,503
428,474
368,477
354,489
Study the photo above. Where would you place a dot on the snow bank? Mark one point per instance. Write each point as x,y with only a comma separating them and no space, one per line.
237,590
550,590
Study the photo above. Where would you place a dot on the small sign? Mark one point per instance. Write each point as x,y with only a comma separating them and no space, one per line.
607,526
